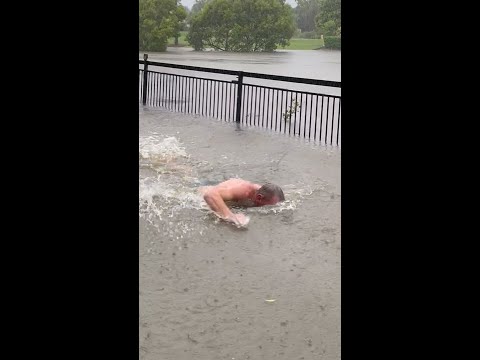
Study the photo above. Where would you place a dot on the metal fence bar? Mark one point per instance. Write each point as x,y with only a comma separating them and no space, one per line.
247,74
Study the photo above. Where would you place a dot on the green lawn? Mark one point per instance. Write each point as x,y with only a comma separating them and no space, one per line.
304,44
295,44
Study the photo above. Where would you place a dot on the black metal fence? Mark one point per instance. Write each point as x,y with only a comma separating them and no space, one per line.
308,114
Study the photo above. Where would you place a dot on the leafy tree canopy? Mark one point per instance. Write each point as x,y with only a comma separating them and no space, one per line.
198,6
305,13
242,25
328,21
158,20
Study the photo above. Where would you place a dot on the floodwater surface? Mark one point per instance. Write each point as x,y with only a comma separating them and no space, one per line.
313,64
209,290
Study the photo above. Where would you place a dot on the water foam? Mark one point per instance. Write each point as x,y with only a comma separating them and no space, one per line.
161,199
154,149
165,197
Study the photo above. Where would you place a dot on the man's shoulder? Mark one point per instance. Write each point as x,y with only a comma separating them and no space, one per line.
237,183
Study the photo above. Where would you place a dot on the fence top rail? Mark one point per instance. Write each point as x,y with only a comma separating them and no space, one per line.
246,74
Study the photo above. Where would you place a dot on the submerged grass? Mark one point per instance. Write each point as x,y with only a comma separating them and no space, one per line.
295,44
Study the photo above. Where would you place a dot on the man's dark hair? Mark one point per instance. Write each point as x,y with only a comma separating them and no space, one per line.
270,190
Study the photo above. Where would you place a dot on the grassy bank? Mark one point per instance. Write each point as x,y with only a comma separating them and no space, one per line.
295,44
304,44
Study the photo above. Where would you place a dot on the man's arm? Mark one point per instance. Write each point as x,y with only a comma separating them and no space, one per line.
215,200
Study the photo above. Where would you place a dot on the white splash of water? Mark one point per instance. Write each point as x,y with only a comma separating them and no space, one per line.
166,200
161,199
154,148
168,207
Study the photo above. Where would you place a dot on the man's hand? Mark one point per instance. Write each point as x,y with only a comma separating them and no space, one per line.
239,219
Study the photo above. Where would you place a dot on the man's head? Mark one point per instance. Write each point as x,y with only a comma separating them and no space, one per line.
269,194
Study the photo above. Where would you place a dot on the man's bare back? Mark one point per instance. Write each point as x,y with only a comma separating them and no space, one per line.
233,189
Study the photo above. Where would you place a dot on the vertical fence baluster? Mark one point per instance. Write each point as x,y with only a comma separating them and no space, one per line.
263,107
338,121
195,97
239,95
222,100
326,122
333,120
249,109
202,98
286,117
209,95
276,112
145,80
185,94
268,108
316,118
281,112
310,124
321,121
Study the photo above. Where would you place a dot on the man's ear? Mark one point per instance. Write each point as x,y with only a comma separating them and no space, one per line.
259,196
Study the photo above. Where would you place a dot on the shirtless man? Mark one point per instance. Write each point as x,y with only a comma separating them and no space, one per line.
243,192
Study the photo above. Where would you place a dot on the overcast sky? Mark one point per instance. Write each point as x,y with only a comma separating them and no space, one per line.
189,3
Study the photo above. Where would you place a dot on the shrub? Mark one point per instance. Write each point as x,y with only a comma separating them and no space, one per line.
332,42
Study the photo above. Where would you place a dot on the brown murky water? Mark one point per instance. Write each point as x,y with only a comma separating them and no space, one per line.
211,291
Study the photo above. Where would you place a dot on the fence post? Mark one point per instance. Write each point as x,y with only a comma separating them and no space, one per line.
145,78
239,96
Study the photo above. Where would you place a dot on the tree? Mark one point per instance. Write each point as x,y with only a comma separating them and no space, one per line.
195,41
242,25
157,22
329,18
329,28
305,12
198,6
181,15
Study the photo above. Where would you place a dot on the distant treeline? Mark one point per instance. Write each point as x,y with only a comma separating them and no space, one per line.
237,25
